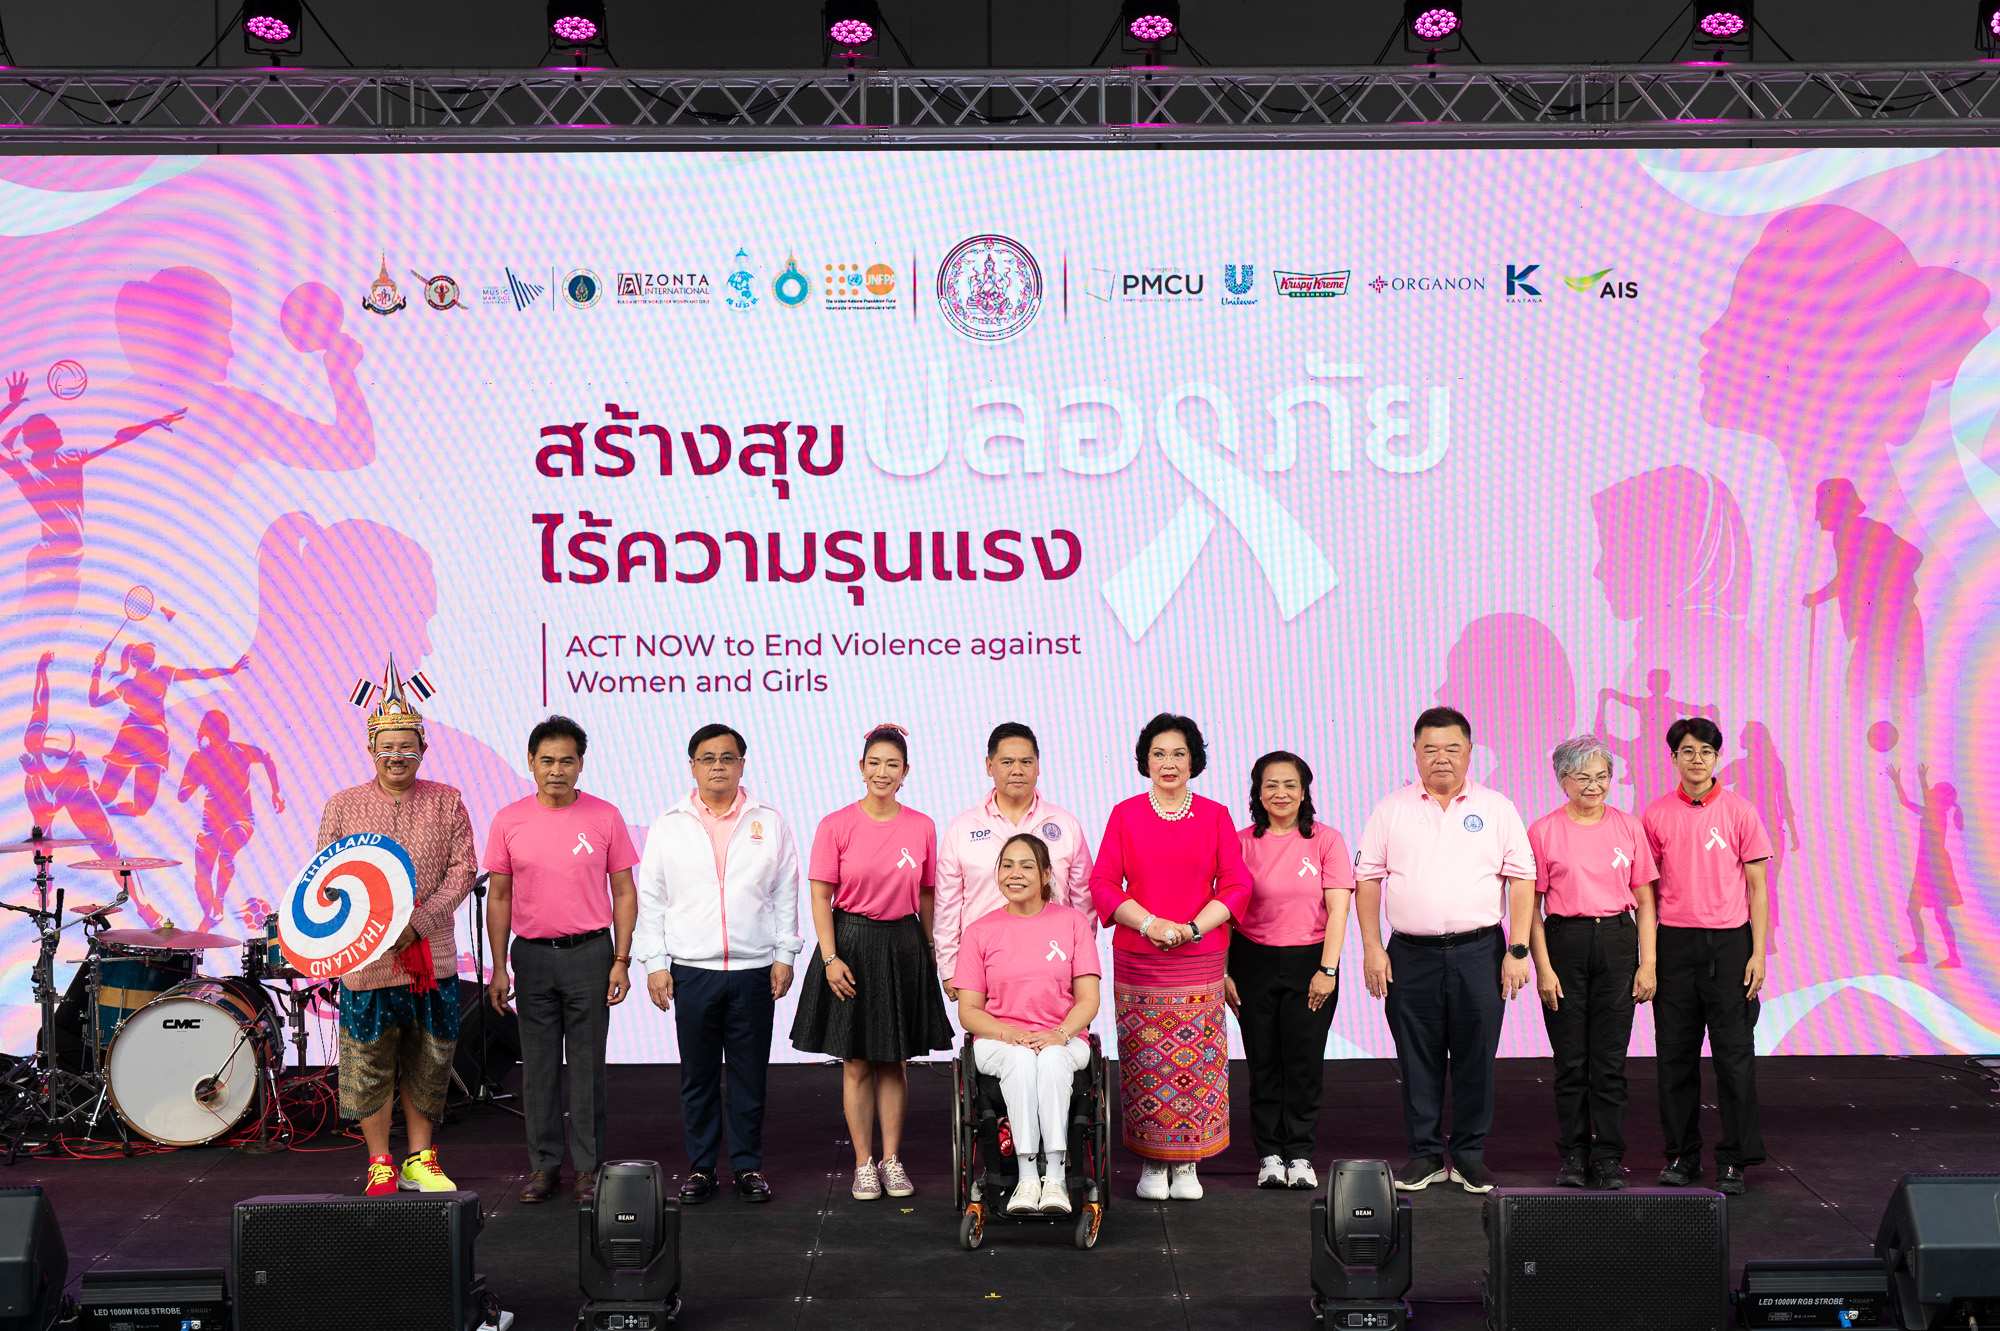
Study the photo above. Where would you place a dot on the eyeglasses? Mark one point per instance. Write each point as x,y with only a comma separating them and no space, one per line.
1583,782
717,760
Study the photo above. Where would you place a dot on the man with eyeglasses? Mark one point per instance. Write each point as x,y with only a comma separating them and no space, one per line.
1594,947
559,865
718,932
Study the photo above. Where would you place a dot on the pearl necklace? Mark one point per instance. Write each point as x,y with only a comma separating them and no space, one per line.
1186,809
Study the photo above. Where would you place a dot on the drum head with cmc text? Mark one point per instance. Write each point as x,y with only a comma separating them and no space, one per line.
183,1069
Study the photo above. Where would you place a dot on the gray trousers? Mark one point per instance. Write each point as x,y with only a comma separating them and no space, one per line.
559,994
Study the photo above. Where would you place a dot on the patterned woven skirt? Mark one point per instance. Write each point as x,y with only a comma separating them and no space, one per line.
1173,1054
396,1034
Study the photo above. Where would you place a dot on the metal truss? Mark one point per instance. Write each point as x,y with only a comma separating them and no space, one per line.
602,108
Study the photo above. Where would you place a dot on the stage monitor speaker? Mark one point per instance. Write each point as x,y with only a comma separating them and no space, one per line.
629,1249
1940,1243
1644,1259
1361,1249
188,1300
34,1265
334,1263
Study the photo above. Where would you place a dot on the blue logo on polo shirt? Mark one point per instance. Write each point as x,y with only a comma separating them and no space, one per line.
1473,822
1050,832
979,834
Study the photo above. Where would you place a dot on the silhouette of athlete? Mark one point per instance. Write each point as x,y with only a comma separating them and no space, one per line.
220,768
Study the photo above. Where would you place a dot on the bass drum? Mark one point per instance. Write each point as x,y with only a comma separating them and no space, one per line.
183,1069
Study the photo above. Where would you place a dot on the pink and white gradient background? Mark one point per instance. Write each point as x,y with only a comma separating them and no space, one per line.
1800,317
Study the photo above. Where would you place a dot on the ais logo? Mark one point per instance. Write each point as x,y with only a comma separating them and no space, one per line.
1605,290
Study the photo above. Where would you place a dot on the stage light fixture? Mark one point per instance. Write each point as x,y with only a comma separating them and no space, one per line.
576,24
629,1250
1986,26
1723,25
1150,25
274,27
852,28
1432,27
1362,1249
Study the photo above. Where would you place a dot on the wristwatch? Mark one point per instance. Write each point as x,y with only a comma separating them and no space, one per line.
1333,971
1518,951
1194,932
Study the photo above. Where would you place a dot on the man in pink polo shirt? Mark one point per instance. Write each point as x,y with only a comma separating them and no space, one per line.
967,886
1711,847
559,866
1446,858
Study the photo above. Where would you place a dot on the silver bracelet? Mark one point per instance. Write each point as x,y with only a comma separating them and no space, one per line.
1146,922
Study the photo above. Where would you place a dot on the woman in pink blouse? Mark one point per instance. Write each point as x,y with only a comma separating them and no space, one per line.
871,996
1170,876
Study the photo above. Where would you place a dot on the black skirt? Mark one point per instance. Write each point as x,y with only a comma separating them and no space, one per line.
897,1011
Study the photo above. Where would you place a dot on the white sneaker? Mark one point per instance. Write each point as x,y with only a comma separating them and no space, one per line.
1301,1175
1055,1197
1027,1198
867,1182
895,1180
1185,1187
1271,1172
1153,1186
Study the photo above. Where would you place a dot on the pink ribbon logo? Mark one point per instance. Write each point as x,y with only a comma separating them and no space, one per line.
1055,952
907,861
582,846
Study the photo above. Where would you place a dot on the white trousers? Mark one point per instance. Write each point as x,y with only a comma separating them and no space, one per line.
1036,1084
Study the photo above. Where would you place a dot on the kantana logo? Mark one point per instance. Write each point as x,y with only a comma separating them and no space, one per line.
856,286
1239,283
657,288
524,293
383,296
582,288
989,287
1310,285
742,284
1519,289
440,292
791,287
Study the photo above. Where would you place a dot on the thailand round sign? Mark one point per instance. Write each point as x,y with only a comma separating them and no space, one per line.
989,287
348,907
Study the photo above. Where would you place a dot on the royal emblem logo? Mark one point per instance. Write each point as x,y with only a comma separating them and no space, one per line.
582,288
757,831
1473,822
384,297
1051,832
1298,286
440,292
791,287
742,284
989,288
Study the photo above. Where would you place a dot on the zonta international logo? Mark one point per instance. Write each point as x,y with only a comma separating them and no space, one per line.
664,288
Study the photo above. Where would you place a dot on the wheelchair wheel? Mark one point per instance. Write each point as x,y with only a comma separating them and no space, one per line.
972,1228
963,1150
1088,1225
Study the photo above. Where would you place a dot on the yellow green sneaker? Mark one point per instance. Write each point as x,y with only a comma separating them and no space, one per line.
421,1174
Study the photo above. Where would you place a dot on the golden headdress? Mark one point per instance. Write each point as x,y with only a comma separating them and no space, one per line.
395,711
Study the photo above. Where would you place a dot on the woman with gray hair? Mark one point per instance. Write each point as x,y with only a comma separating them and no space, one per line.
1593,942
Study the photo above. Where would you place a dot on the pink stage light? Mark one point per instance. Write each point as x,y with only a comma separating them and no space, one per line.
1434,24
1722,23
574,28
1152,27
266,28
1993,24
851,32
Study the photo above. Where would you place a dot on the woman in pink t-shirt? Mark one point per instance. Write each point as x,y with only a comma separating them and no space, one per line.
871,996
1284,964
1170,875
1027,990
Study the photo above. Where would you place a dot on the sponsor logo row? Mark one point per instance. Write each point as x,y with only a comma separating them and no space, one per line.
988,287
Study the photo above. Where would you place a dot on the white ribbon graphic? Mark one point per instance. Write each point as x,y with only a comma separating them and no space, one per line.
1297,572
1715,841
1055,952
582,845
1306,866
1619,859
906,862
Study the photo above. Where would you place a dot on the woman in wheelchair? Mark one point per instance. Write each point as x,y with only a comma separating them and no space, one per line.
1027,989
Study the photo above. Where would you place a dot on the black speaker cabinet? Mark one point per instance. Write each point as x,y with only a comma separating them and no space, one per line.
1940,1243
1645,1259
34,1265
335,1263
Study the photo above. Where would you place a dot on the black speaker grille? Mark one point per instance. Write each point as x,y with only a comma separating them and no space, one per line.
339,1265
1611,1262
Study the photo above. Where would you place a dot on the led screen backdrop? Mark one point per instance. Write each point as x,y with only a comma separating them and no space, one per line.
1297,443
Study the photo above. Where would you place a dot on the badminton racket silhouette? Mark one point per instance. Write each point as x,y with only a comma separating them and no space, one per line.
138,606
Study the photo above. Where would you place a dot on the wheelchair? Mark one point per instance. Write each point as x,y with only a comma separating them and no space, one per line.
986,1178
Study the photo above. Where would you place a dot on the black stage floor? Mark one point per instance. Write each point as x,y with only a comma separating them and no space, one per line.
1839,1130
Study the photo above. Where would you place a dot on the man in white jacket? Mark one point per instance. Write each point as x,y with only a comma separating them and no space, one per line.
718,930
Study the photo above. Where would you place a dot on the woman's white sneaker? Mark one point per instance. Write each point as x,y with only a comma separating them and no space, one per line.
1271,1172
895,1181
1301,1175
1055,1197
1153,1185
1185,1186
867,1182
1027,1198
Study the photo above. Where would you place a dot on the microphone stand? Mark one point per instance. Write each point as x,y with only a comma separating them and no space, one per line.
481,1092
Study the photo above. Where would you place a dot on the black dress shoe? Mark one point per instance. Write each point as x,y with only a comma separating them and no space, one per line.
751,1187
1571,1173
1681,1171
586,1188
700,1186
542,1184
1607,1175
1729,1180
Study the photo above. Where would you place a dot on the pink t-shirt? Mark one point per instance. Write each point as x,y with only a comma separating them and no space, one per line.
1590,870
1701,849
1444,873
1290,876
1027,965
877,869
561,861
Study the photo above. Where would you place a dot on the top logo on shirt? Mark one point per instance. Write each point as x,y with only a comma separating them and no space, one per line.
980,834
1473,822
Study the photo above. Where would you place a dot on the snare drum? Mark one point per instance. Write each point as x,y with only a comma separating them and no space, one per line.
129,980
183,1069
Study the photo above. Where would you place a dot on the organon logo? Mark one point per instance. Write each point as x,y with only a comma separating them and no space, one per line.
989,288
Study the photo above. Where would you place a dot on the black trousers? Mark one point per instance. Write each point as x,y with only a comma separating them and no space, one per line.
559,995
1590,1029
1284,1043
1445,1010
1701,991
720,1014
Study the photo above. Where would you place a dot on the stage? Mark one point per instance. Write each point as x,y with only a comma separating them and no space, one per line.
1840,1131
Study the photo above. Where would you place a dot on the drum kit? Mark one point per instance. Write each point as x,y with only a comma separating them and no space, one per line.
142,1042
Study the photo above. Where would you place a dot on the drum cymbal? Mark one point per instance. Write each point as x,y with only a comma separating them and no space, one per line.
85,909
128,864
168,939
41,843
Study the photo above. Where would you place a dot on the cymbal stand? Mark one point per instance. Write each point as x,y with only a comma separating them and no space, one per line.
482,1091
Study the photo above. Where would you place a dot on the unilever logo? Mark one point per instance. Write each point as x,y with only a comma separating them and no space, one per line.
742,285
1239,284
